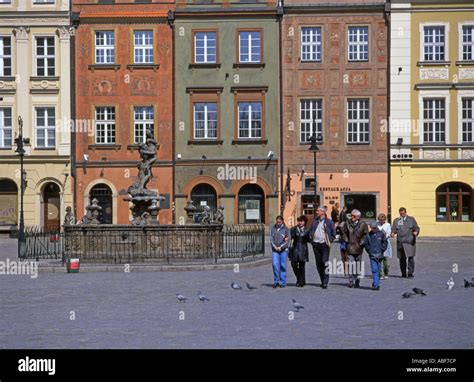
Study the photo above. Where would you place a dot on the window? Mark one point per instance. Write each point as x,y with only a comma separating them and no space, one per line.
467,120
311,119
202,195
250,119
467,43
44,56
105,125
365,203
434,120
143,120
43,2
45,127
358,43
104,47
454,202
358,121
143,49
251,201
434,43
5,56
250,47
5,127
311,44
5,1
205,120
205,51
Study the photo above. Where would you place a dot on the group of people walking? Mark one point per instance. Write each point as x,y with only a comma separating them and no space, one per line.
354,236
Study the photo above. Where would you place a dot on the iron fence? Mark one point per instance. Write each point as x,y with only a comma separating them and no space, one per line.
114,244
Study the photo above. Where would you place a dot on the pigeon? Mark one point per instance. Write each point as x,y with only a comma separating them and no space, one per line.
408,294
297,305
467,284
419,291
235,286
180,297
250,287
450,283
201,297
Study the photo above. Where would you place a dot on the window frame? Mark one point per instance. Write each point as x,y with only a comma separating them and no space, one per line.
3,127
321,43
358,121
422,41
94,45
107,123
321,133
243,30
447,201
349,44
143,48
46,128
461,27
143,122
434,121
43,57
3,56
193,52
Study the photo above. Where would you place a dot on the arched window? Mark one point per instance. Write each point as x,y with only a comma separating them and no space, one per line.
8,202
103,194
454,202
204,194
251,204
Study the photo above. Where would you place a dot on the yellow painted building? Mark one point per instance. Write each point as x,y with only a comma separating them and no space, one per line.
432,114
35,84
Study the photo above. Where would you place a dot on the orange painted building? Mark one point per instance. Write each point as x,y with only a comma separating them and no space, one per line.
123,76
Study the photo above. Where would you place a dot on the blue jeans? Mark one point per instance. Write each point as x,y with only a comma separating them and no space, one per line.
375,266
279,267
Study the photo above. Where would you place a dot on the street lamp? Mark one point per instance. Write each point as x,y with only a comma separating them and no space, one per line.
20,141
314,149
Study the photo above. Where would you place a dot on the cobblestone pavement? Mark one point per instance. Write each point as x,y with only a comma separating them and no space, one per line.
139,310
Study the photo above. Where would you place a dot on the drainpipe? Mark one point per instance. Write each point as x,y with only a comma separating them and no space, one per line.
280,80
72,58
389,167
171,19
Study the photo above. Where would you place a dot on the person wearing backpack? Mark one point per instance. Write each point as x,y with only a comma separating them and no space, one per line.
375,243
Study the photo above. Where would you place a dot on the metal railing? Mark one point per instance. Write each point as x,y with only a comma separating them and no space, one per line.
160,244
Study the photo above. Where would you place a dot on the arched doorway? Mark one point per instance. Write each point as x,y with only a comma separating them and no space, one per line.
8,202
103,194
51,206
251,204
204,194
454,202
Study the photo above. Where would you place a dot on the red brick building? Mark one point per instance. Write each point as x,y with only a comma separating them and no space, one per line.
123,78
334,61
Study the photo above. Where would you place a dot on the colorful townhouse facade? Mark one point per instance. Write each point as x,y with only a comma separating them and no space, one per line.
335,86
35,49
432,123
123,80
227,108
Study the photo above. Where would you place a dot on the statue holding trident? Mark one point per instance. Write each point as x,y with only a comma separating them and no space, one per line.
142,198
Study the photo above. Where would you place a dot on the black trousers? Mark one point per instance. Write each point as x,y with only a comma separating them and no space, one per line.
403,263
321,255
299,269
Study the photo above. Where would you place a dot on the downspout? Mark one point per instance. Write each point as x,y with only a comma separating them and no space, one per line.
72,58
280,85
389,53
171,19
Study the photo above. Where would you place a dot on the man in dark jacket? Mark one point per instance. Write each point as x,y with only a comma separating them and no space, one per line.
279,239
406,228
375,243
355,230
322,234
299,250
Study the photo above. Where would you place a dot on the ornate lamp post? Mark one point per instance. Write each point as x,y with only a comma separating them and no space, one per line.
20,141
314,149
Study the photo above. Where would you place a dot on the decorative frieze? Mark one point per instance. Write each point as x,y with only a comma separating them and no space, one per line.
466,73
434,74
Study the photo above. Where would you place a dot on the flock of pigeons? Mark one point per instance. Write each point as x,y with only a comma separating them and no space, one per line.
234,286
449,283
298,306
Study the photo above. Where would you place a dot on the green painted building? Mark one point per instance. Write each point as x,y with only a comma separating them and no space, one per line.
227,124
